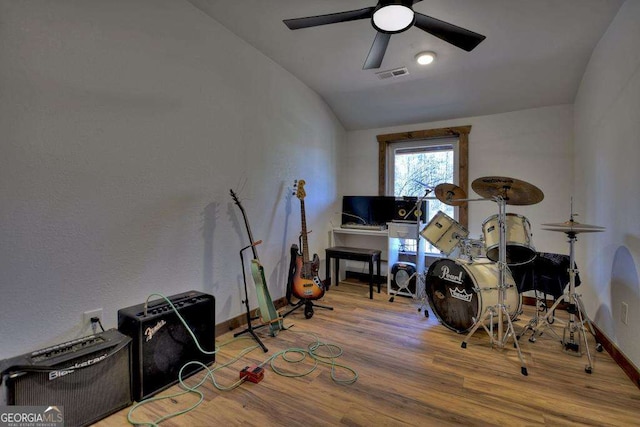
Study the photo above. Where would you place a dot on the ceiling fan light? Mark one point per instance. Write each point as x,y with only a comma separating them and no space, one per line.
393,18
425,58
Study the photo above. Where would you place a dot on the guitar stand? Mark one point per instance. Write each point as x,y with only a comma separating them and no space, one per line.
308,308
306,303
250,329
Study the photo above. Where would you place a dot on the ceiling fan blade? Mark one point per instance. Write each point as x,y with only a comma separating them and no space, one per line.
377,51
457,36
331,18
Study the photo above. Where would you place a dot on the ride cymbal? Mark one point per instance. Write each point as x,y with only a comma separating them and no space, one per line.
448,193
513,191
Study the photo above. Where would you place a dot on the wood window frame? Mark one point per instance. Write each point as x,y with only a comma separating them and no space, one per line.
461,132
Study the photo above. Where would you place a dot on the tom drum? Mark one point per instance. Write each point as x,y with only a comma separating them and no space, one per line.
444,232
459,292
519,245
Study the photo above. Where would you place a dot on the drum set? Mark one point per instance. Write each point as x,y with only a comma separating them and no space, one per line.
476,289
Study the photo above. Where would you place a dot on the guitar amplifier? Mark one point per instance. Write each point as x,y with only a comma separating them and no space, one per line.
90,378
162,344
403,279
405,210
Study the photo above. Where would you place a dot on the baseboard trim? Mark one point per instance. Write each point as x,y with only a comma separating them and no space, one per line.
621,360
627,366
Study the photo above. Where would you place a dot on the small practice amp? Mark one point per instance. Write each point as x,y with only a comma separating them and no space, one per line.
162,344
405,210
90,377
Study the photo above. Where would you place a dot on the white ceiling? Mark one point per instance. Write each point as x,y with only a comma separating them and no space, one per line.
534,55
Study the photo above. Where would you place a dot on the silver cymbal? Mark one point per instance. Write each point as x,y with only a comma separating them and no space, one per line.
572,227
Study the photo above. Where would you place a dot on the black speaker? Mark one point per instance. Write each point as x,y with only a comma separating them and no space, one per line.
162,344
405,210
401,272
90,378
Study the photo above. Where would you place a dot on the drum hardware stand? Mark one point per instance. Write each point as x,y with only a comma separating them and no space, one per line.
499,309
549,317
420,294
571,345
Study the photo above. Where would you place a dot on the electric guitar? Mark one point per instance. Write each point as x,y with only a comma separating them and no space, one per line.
306,283
268,313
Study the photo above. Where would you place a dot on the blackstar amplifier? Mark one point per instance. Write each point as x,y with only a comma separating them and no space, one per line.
162,344
90,377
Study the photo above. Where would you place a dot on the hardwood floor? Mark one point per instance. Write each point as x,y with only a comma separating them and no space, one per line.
411,371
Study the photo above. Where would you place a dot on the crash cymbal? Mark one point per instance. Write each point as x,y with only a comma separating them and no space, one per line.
513,191
448,193
572,227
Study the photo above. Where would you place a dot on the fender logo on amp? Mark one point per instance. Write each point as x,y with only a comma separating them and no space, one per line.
150,332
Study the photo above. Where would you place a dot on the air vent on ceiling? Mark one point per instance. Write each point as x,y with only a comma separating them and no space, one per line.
398,72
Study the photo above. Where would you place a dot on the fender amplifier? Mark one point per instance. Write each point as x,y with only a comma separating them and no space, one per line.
90,378
161,343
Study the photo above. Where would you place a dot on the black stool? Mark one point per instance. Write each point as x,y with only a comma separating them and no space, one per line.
354,254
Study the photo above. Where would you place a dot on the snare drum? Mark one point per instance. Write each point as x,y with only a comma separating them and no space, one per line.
459,292
444,232
472,249
519,245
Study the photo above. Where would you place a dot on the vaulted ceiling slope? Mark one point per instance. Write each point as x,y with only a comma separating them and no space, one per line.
534,55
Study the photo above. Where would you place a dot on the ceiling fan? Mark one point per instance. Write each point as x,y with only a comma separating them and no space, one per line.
391,17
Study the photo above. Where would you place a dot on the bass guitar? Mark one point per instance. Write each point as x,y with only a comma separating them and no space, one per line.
306,283
268,313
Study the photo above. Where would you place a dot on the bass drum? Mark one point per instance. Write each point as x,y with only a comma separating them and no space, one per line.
459,292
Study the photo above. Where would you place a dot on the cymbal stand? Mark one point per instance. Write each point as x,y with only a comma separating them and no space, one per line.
571,344
420,293
499,309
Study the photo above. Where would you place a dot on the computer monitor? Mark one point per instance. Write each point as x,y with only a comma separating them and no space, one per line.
367,210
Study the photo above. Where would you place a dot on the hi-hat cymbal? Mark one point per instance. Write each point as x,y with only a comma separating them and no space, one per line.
573,227
448,193
513,191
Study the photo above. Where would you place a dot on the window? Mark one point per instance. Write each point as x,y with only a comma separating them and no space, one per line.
415,167
418,151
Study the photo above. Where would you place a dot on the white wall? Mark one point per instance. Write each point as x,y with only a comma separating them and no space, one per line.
124,124
607,146
531,145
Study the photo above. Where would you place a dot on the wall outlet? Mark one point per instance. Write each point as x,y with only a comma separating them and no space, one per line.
87,315
624,313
